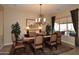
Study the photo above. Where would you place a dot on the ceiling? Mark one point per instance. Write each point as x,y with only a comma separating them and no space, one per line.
48,9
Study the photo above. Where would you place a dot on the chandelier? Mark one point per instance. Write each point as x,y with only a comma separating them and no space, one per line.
41,19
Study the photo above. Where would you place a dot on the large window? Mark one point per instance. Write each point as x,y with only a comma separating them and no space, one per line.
63,27
71,30
66,28
70,27
56,27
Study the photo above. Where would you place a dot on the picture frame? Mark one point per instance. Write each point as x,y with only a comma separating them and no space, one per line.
33,26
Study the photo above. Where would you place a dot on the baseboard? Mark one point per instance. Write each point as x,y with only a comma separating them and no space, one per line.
68,44
7,44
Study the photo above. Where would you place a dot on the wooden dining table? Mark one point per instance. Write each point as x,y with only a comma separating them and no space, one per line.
27,39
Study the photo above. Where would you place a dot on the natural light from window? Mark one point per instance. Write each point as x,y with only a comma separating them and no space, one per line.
70,27
56,27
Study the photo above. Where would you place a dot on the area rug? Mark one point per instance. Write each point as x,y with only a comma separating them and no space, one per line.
46,51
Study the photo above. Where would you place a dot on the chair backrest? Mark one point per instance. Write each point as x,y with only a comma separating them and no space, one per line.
38,40
53,37
58,34
43,33
32,34
13,37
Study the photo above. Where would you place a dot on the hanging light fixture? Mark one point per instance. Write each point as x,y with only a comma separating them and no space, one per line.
41,19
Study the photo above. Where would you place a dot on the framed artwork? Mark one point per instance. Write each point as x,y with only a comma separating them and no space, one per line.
32,24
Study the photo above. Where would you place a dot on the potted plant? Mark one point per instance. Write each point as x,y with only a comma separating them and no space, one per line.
48,29
16,30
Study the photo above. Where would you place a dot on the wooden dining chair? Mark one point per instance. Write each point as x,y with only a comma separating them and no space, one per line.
32,34
17,44
58,38
52,42
38,43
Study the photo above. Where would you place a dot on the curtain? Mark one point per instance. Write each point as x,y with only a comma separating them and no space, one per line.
74,16
53,21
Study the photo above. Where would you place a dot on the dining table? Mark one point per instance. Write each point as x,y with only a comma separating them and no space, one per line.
27,39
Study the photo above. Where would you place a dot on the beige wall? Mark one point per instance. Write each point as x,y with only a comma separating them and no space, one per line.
1,26
63,17
1,22
68,39
78,24
11,16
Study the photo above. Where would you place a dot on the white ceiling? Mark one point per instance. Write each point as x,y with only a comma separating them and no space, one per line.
49,9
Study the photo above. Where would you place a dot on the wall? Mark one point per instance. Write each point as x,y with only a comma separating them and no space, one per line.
68,39
1,26
78,24
11,16
66,15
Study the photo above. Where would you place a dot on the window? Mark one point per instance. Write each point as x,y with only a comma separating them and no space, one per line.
70,27
56,27
65,27
71,30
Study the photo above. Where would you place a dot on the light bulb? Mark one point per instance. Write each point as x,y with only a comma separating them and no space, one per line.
39,19
36,20
44,19
40,27
27,27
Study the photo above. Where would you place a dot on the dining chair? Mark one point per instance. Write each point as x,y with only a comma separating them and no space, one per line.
32,34
17,45
52,42
38,43
58,38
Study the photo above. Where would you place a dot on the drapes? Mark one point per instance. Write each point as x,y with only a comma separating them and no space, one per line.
74,16
53,21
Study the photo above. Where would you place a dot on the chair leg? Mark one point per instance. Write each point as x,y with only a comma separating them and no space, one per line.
50,47
60,42
24,50
56,47
42,50
14,51
34,51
